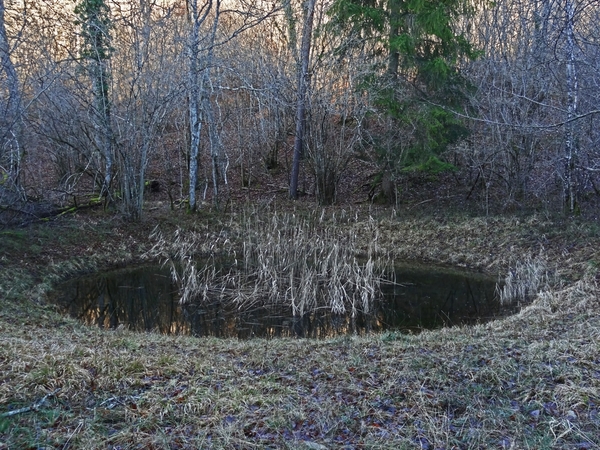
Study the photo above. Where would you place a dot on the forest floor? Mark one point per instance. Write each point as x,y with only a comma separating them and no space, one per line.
531,380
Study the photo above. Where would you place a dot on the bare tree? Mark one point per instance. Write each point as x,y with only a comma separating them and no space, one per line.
197,14
10,132
146,69
257,100
528,140
571,150
212,27
302,93
94,18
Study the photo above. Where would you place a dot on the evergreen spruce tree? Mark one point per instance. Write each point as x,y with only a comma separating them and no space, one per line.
414,75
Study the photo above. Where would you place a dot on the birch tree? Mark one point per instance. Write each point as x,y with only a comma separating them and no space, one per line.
206,35
534,138
197,14
571,150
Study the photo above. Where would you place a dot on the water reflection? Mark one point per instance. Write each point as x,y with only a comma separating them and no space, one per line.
423,298
145,299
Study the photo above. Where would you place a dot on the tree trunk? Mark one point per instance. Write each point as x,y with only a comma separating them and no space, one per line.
303,82
96,49
12,117
194,100
207,109
572,100
103,122
199,92
394,56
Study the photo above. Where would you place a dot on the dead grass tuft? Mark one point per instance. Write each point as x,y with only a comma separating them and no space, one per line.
523,281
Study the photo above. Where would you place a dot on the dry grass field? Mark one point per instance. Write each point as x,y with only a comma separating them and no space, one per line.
528,381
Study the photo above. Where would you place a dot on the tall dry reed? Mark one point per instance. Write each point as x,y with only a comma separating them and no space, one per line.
305,263
523,281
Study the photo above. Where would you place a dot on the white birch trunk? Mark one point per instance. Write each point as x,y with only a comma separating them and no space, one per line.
194,100
572,101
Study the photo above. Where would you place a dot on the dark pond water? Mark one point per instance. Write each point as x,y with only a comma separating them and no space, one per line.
145,298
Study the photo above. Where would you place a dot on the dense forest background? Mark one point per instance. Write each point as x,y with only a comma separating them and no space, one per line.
355,100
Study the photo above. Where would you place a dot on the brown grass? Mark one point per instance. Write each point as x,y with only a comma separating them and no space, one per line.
528,381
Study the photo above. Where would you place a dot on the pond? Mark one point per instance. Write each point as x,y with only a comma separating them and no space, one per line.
145,299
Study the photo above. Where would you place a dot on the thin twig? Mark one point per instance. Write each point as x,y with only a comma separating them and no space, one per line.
75,431
33,407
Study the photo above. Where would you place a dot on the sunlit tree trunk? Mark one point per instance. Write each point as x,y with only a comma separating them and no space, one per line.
196,20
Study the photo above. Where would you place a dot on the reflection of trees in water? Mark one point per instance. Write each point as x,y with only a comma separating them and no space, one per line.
431,300
107,312
222,320
143,299
146,299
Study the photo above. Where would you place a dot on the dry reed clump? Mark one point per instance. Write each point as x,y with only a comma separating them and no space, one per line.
524,281
305,264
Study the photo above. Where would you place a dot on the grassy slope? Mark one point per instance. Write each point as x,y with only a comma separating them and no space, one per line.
528,381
